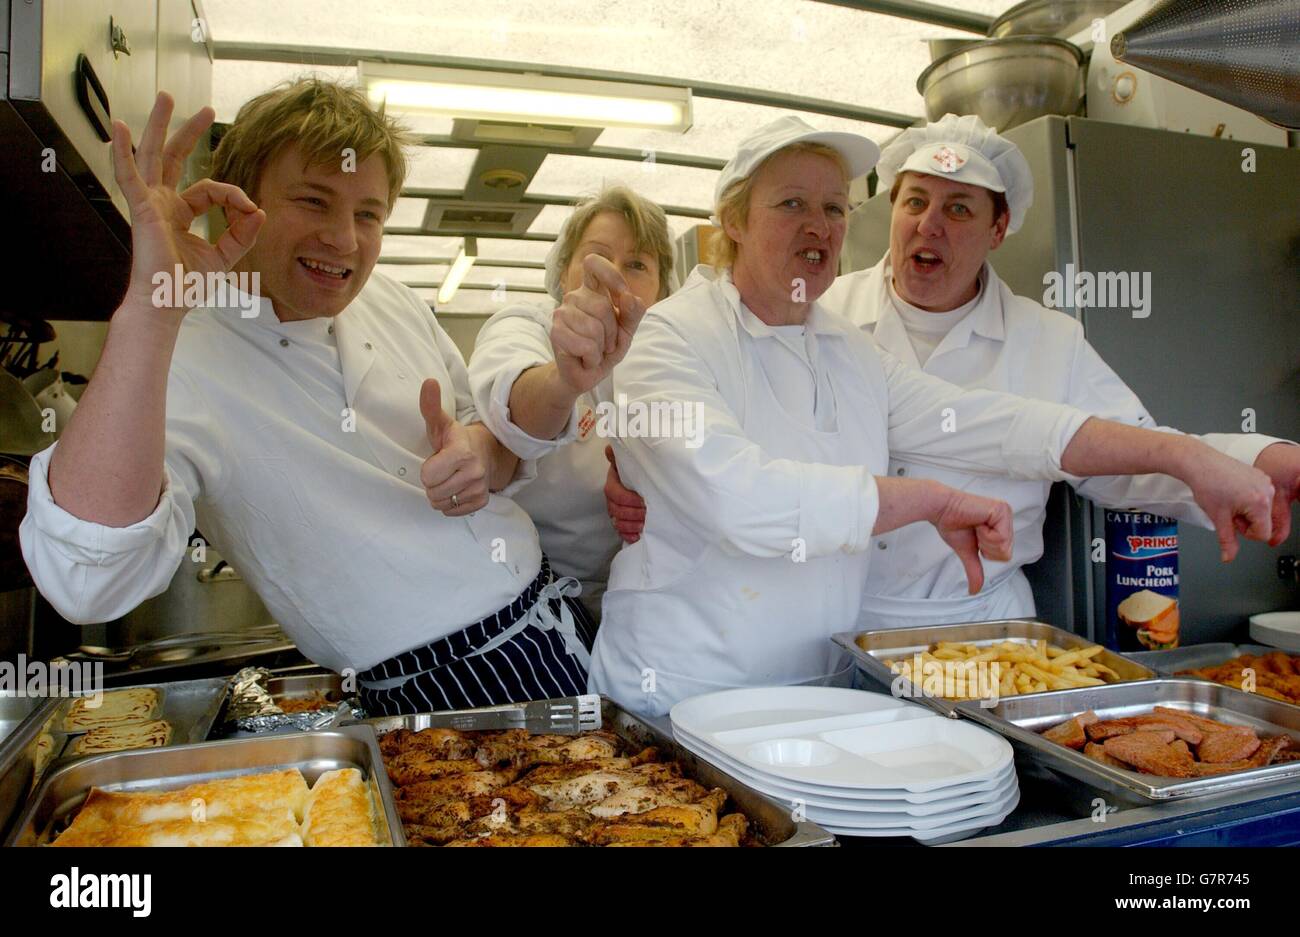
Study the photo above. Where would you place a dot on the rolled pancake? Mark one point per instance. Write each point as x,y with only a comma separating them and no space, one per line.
117,708
153,734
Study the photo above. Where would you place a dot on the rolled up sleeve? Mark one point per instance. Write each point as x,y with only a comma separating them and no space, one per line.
90,572
511,342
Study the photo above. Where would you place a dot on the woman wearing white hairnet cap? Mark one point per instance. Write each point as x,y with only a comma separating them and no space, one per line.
536,373
957,189
758,523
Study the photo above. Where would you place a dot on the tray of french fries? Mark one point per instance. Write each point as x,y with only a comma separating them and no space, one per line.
941,666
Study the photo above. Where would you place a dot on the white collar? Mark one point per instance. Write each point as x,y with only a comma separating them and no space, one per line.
818,323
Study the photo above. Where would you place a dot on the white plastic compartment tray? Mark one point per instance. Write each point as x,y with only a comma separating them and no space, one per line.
893,799
847,739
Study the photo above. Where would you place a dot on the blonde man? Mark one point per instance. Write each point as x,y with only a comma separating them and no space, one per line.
539,391
308,429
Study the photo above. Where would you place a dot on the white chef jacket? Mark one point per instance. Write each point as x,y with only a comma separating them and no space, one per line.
567,498
1006,343
329,524
755,545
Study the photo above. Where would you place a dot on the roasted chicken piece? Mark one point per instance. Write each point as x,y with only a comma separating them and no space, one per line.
518,748
598,785
444,744
516,839
454,785
543,774
1151,752
641,799
731,830
571,823
420,835
698,819
512,797
417,765
433,813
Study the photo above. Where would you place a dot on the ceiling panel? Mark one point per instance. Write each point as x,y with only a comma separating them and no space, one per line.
409,245
439,167
807,48
408,213
562,174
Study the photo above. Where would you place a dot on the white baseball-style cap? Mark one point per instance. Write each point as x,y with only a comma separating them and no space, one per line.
859,153
963,149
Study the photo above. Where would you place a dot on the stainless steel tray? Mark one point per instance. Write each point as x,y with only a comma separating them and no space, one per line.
1022,718
774,823
15,710
305,686
19,770
191,706
1168,663
65,788
870,650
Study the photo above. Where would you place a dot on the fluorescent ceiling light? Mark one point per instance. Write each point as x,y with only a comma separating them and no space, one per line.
485,95
459,269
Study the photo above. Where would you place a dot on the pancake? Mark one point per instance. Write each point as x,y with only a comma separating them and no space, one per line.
117,708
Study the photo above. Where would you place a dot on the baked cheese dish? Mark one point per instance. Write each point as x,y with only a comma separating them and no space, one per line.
338,811
273,808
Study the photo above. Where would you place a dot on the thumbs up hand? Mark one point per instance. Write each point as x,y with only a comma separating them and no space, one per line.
455,477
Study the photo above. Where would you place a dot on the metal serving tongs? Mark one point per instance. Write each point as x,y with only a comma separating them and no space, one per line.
569,715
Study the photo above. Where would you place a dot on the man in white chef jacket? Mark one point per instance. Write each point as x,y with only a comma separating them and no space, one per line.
957,189
322,433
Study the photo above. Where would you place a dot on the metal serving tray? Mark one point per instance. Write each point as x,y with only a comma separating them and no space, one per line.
16,710
18,750
1022,718
65,788
191,706
774,823
1196,656
305,686
870,650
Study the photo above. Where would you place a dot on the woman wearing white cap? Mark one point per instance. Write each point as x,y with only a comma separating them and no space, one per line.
957,189
537,387
755,547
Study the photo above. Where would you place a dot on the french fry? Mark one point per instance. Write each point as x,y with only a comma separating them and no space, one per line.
1021,666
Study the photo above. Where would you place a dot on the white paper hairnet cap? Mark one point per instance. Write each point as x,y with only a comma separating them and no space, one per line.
967,150
859,153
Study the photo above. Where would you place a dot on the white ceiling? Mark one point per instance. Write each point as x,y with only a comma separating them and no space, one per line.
794,47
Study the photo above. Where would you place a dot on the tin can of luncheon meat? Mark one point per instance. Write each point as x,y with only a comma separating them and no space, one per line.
1141,581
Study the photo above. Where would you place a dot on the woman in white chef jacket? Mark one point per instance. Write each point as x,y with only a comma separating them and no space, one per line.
934,302
543,406
764,491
